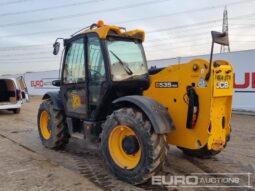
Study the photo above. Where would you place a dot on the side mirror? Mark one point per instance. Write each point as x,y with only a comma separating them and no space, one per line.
56,46
220,38
56,83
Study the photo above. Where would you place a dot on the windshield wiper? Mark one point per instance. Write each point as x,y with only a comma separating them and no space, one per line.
123,64
141,76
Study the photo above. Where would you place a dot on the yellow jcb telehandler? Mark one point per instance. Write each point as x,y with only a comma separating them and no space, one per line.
108,94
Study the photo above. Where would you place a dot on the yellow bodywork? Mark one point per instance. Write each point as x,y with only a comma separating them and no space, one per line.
214,96
105,30
168,87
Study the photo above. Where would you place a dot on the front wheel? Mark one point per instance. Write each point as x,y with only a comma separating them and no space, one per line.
52,127
132,150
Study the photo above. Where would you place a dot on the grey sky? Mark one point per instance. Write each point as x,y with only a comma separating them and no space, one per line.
173,28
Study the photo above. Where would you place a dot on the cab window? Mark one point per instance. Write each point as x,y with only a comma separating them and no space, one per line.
95,60
74,69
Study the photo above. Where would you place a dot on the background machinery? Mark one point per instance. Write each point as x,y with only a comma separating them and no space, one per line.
108,94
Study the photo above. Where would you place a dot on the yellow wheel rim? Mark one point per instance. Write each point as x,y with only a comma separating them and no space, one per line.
117,151
44,118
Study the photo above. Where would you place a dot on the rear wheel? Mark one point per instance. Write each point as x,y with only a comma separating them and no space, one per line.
52,127
132,150
16,111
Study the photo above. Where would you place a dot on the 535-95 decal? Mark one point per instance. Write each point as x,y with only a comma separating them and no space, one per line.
166,84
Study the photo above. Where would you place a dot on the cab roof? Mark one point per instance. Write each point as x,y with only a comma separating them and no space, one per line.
104,30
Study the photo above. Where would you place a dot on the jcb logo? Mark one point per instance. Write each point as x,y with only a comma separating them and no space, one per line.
222,85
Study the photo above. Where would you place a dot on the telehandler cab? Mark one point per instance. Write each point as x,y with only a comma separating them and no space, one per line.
108,94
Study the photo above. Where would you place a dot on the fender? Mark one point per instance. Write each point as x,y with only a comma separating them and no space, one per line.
56,100
157,114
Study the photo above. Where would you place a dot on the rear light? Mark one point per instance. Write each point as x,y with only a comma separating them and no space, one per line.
194,117
193,108
18,95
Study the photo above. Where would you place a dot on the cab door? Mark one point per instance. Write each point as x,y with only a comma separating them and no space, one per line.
23,89
96,74
73,88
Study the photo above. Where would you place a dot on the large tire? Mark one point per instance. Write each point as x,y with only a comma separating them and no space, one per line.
153,146
203,153
16,111
57,136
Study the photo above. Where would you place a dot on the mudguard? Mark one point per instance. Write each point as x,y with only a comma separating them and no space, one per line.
156,113
56,100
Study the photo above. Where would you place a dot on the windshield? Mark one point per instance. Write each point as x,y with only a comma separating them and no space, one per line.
127,60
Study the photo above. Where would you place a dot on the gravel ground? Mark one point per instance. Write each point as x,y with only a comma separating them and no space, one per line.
22,169
26,165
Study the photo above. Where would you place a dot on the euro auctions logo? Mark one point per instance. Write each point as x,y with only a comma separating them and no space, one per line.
43,83
204,180
172,181
37,83
247,81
